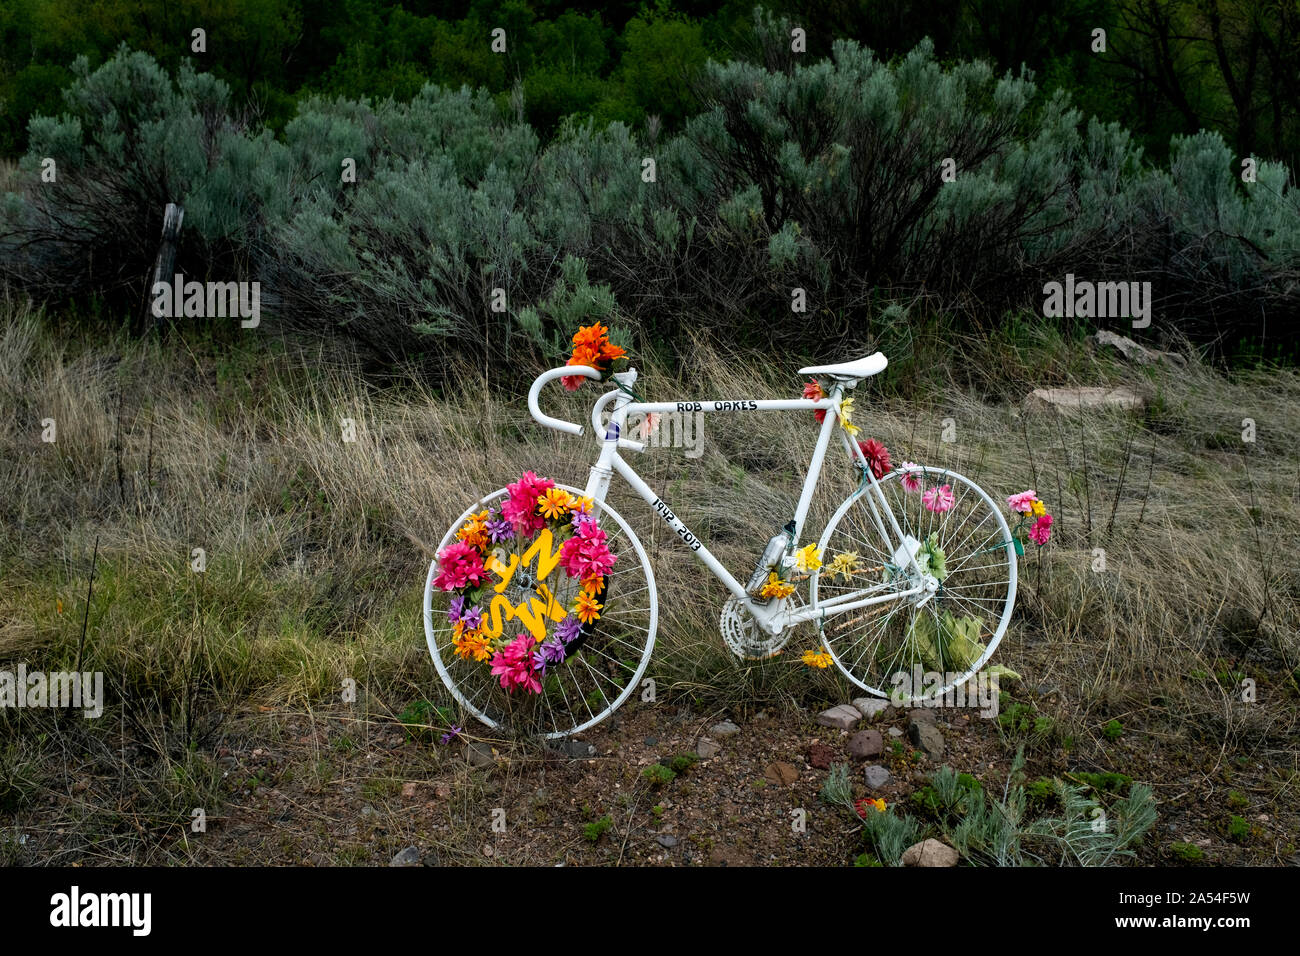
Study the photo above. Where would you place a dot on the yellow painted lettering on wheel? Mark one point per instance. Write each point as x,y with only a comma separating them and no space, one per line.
532,613
541,550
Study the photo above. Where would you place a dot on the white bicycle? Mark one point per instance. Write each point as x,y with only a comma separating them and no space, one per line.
531,631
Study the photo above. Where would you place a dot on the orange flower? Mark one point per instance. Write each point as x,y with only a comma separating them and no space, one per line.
586,607
554,502
593,585
474,531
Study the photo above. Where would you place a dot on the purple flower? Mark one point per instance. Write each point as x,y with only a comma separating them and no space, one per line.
454,732
456,610
568,629
552,651
499,529
472,618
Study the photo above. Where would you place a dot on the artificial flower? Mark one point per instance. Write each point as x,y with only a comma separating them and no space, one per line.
514,666
846,417
1023,502
820,658
550,652
459,566
808,558
586,555
910,475
472,646
776,588
568,629
939,499
554,502
844,565
877,456
1041,531
586,607
455,609
474,531
862,805
592,347
1038,509
499,529
593,585
814,392
520,507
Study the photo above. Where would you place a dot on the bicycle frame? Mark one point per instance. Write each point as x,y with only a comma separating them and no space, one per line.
773,616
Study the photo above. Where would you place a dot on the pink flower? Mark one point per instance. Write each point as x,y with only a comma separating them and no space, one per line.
459,565
586,555
520,508
877,456
939,499
515,666
1041,531
910,479
1022,502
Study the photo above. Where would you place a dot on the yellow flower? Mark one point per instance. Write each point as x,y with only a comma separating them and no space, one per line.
818,658
846,417
586,607
1038,509
582,505
776,588
808,559
554,502
844,565
593,585
878,803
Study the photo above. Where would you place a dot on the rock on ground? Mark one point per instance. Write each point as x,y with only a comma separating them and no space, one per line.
877,776
706,748
841,717
927,737
1069,400
724,729
866,743
930,853
1134,351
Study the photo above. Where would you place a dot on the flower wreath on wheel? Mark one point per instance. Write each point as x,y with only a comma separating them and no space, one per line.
535,522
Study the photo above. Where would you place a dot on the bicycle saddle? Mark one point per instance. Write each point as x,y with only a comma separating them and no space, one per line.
872,364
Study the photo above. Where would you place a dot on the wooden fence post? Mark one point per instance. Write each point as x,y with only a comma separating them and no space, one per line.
165,262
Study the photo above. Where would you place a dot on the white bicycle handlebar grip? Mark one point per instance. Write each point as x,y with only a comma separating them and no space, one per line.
572,428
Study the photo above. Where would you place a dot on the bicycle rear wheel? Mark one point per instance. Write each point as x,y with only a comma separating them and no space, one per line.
508,643
904,649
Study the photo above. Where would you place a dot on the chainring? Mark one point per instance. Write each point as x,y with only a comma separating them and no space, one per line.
743,635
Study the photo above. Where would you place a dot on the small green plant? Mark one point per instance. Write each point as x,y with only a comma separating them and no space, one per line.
1187,852
1238,829
866,859
658,775
1103,782
657,811
1237,800
595,830
838,788
684,762
1113,730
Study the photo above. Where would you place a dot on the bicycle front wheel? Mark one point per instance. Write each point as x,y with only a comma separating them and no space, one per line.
544,624
909,648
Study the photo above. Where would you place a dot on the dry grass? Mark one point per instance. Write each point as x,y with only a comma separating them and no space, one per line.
316,548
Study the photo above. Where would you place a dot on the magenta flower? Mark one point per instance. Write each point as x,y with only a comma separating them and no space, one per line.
586,555
910,476
1022,502
939,499
1041,531
459,566
520,509
515,667
877,456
